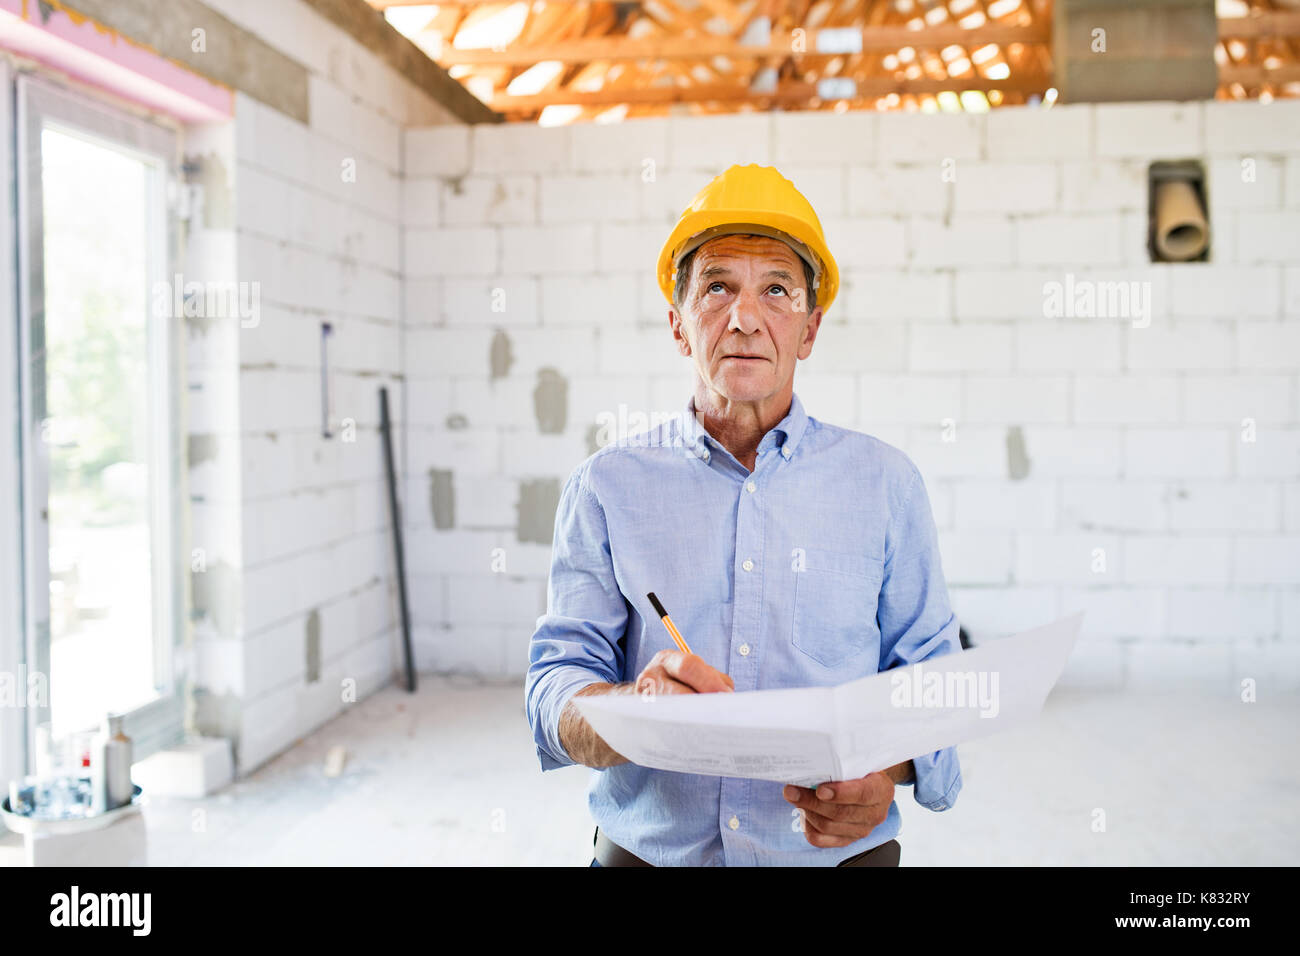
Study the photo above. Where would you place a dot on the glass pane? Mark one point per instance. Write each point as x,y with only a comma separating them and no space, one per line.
97,431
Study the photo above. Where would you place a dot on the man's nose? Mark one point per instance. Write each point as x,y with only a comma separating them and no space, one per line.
744,312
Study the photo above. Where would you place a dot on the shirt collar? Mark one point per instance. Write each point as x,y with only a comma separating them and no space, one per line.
784,435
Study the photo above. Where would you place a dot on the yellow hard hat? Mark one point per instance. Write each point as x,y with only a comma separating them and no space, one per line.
752,199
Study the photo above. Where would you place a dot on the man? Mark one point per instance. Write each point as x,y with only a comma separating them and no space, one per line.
789,552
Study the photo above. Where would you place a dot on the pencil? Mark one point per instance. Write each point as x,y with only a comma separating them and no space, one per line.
668,623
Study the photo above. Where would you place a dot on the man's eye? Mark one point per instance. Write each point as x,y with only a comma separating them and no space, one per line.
712,284
781,287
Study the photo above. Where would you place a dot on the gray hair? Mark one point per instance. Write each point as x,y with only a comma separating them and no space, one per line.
682,280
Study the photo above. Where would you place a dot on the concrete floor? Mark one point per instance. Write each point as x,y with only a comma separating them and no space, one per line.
449,776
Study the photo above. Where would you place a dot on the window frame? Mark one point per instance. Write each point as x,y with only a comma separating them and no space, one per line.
40,102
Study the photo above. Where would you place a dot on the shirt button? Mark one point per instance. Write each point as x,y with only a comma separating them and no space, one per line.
733,823
748,565
744,650
786,453
751,487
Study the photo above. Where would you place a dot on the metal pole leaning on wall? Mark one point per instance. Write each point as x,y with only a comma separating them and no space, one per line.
385,428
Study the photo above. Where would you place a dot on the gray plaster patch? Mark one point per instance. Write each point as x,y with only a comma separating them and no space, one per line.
538,501
197,326
442,498
217,715
210,173
214,593
502,355
313,646
551,401
1017,456
201,448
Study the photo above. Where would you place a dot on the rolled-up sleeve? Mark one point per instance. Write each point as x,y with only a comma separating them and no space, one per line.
916,623
576,640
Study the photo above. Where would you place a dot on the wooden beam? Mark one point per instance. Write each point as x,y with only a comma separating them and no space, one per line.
388,4
1259,75
1289,45
371,30
787,94
1256,25
728,11
874,40
680,21
1259,27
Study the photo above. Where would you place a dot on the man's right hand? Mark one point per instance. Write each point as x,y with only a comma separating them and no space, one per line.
672,672
669,672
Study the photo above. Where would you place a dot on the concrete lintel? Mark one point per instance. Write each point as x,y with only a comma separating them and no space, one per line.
231,55
1134,50
368,27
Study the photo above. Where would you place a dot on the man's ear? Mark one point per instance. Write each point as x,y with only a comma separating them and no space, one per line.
676,322
810,333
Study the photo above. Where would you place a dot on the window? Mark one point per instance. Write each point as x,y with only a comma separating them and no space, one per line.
99,379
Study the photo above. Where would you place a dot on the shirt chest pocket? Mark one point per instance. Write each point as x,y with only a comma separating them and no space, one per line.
835,596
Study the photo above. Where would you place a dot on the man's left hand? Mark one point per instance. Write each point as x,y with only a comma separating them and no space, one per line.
841,812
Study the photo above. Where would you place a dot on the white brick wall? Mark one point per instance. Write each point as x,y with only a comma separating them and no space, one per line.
981,188
1061,133
318,216
1132,429
1091,187
962,241
1149,129
914,137
895,190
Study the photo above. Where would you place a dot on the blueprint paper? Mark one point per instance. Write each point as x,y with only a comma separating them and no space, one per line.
810,735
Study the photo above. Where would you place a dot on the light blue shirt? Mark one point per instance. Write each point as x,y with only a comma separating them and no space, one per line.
819,567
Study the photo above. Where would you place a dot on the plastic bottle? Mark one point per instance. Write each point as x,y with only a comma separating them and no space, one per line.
110,766
120,790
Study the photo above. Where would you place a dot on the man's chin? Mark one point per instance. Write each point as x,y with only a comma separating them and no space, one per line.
750,386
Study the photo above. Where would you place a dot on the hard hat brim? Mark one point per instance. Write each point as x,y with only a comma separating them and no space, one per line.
747,229
697,228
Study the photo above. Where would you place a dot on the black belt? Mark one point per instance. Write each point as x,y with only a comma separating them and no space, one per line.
609,853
